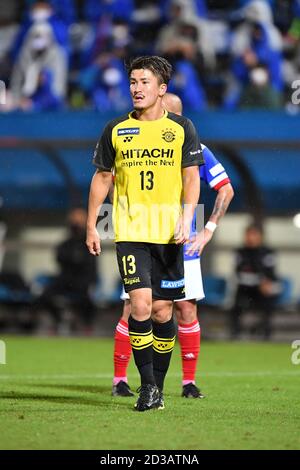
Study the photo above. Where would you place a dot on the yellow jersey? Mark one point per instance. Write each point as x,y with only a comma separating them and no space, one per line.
147,158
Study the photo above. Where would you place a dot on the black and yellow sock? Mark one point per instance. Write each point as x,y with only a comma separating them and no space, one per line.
141,339
163,345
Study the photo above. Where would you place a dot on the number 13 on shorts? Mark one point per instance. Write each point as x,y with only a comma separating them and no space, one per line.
129,265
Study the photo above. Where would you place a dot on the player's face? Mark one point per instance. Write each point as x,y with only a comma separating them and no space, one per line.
145,89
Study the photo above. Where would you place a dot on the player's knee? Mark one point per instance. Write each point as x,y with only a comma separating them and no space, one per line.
162,314
141,309
186,312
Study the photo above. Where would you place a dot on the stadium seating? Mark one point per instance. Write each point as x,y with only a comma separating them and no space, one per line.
13,290
285,299
29,179
215,291
15,302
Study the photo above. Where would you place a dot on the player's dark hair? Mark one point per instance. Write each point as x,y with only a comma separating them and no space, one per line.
159,66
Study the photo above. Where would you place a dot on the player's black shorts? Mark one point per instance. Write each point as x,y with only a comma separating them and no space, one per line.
153,265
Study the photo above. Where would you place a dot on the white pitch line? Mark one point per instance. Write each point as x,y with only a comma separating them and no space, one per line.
286,373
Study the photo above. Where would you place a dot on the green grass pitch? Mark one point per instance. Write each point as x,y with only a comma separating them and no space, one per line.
55,394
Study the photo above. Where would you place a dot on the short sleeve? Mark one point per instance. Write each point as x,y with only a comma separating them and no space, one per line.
104,155
191,151
213,172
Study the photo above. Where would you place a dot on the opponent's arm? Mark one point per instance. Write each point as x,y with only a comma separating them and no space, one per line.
223,199
99,188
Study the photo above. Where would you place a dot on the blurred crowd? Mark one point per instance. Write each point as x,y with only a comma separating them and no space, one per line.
226,54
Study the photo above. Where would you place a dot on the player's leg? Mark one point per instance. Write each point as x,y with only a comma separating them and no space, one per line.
134,261
168,284
189,335
141,339
122,352
163,340
189,328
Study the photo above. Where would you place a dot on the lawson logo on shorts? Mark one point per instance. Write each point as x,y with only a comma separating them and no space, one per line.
172,284
129,131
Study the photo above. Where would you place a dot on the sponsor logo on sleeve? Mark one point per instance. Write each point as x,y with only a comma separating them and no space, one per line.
196,152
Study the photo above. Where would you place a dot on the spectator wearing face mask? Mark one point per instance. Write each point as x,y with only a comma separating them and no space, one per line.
259,50
39,53
256,41
187,33
106,84
40,13
259,92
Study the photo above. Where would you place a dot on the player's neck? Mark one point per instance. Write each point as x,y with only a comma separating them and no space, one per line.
150,114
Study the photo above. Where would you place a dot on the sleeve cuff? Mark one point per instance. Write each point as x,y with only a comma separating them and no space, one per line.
222,183
195,162
101,167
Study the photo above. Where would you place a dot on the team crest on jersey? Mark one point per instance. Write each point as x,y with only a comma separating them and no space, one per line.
168,135
129,131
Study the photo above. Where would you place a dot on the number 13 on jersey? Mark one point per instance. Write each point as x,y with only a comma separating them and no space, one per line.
147,179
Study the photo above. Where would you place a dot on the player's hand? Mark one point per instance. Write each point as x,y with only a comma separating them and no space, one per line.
182,231
93,242
199,241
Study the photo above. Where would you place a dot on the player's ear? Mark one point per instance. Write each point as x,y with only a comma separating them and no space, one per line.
162,89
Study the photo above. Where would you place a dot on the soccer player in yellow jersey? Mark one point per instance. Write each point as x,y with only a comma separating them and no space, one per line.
155,156
214,175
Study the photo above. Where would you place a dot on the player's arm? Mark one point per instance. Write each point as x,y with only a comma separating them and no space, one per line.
223,199
112,189
99,188
111,192
192,158
216,177
104,161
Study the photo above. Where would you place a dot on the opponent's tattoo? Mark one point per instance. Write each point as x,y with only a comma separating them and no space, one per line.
221,206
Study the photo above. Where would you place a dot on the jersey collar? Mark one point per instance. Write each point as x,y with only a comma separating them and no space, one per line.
130,116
